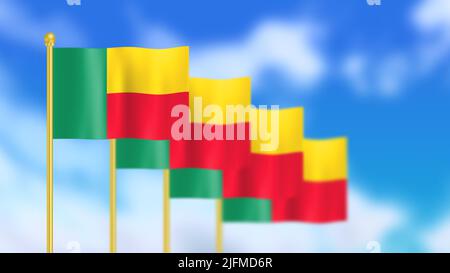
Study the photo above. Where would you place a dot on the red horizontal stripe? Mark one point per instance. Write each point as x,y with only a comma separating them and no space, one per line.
211,154
314,202
143,116
261,177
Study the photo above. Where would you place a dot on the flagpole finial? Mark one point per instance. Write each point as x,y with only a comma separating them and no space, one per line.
49,39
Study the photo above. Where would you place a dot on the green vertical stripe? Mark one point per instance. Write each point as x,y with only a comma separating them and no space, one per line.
79,96
247,210
142,154
195,183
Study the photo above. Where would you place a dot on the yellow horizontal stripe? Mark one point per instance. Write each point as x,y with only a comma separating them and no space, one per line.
147,71
216,95
325,160
284,124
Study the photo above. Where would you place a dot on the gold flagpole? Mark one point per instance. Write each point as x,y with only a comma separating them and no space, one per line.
166,211
219,226
112,197
49,43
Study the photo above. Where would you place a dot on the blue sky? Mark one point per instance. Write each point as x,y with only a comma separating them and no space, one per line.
379,75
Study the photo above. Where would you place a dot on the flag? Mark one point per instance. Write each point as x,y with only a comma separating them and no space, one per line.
247,210
202,159
260,177
143,87
325,160
79,93
321,197
124,92
223,149
248,191
142,154
195,183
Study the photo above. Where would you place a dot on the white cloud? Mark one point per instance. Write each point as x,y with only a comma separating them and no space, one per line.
392,74
290,48
193,224
369,221
293,49
140,213
386,76
21,207
151,34
19,25
432,21
355,68
432,15
7,169
389,74
156,36
437,238
82,217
